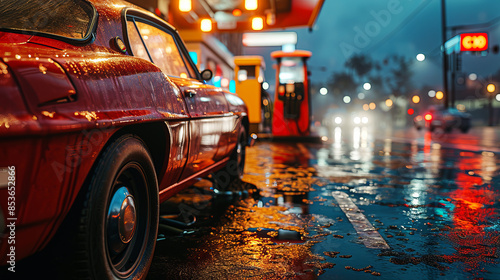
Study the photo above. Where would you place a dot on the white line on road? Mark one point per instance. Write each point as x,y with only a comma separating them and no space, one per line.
370,236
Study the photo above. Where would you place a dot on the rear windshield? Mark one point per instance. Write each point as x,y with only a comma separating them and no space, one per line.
66,18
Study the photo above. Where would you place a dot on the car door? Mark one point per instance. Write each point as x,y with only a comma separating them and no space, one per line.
206,105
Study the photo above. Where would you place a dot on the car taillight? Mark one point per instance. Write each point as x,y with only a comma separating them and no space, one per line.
428,117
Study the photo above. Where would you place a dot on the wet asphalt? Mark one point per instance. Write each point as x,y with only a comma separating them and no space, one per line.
359,205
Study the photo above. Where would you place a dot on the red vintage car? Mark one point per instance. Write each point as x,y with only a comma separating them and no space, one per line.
103,116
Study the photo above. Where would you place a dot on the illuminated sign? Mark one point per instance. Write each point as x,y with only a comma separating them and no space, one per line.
473,42
268,39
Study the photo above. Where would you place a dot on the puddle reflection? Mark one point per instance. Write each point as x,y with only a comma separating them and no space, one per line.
437,208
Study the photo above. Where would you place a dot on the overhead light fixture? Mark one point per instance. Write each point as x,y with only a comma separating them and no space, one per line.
206,25
251,5
260,39
257,23
185,5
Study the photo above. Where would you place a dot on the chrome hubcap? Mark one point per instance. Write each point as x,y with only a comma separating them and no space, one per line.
121,220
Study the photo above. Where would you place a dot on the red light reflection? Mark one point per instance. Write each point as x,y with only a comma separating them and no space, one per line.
471,215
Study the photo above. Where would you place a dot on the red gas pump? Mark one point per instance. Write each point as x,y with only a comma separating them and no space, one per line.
291,102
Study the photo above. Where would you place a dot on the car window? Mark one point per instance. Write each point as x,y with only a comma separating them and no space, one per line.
67,18
135,41
161,47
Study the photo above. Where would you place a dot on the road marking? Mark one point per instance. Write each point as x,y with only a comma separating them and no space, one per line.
370,236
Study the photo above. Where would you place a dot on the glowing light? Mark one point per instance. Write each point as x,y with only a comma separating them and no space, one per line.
491,88
338,120
472,76
261,39
224,82
364,120
194,57
323,91
232,86
367,86
389,103
347,99
410,111
185,5
498,97
184,75
357,120
415,99
420,57
439,95
257,23
473,42
217,81
428,117
361,95
251,5
366,107
265,85
431,93
206,25
237,12
372,106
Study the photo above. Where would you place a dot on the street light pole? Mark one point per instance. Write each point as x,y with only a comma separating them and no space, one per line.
445,56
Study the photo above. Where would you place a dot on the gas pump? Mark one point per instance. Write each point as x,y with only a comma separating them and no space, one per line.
249,77
291,103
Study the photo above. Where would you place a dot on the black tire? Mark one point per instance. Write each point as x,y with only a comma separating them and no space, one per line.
234,169
111,246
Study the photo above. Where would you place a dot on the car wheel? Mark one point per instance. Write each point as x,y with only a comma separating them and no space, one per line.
224,178
119,219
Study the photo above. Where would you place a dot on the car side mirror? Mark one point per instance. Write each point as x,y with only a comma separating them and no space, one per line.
206,74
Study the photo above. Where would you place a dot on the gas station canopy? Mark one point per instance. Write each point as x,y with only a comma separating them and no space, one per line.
244,15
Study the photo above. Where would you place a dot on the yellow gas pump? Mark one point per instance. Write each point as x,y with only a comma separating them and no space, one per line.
249,72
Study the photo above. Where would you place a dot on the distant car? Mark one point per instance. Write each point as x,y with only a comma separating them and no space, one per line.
445,119
103,116
341,118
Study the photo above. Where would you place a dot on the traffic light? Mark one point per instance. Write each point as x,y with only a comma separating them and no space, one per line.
475,42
